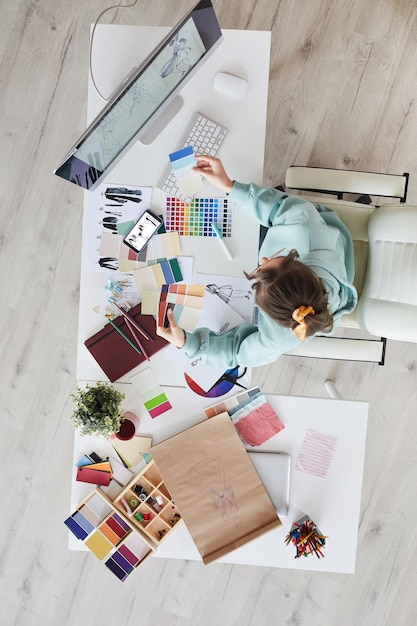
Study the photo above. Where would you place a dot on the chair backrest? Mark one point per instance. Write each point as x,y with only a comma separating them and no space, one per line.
388,303
356,217
385,245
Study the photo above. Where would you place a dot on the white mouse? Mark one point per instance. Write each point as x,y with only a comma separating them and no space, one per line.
230,85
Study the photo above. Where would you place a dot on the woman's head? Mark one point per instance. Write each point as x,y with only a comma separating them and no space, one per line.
292,294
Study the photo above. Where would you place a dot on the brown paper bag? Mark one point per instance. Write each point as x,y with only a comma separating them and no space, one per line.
215,487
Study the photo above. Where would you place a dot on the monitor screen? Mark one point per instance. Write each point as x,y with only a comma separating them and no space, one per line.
133,108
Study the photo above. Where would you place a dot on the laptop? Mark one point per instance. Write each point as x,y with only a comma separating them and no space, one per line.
273,469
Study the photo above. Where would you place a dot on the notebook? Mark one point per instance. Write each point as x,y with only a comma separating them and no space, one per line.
273,469
114,354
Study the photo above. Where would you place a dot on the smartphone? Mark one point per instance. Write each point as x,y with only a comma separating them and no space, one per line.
145,227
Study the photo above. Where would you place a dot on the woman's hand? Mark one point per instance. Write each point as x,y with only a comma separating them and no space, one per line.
212,169
173,334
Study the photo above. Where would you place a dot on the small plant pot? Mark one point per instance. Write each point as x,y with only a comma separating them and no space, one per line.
127,430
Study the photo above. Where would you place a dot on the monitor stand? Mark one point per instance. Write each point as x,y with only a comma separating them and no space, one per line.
160,121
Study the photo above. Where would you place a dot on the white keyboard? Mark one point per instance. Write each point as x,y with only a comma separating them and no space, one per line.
205,136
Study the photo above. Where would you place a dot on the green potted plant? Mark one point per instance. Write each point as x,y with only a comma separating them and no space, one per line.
97,409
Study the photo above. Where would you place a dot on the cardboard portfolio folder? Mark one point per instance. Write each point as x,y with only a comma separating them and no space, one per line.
215,487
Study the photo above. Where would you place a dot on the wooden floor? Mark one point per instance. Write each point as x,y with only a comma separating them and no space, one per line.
343,92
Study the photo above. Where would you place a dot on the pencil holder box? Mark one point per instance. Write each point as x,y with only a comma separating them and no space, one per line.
125,531
148,505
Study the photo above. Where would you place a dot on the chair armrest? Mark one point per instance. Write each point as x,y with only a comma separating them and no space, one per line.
338,182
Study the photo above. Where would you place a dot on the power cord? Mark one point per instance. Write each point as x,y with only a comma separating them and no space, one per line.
115,6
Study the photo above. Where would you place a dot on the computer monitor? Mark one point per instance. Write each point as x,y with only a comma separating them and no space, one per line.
144,99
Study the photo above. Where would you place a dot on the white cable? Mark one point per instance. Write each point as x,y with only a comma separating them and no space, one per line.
115,6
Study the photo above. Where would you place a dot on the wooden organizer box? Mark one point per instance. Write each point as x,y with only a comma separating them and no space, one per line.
146,496
109,535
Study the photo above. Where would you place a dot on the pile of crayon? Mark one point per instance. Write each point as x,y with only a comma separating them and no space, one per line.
306,537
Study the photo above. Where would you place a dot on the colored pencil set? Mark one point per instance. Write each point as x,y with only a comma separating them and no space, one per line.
307,538
134,328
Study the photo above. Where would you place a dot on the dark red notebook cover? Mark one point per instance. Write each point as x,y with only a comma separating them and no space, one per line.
114,354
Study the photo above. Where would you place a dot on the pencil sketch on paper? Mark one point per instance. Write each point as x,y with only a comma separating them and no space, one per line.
227,293
211,475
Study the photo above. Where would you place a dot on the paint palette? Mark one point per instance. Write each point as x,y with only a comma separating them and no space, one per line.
194,219
109,534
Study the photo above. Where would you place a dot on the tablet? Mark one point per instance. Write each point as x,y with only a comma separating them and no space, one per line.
273,469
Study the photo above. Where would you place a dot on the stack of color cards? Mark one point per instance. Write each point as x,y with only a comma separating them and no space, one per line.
182,163
195,218
107,534
95,473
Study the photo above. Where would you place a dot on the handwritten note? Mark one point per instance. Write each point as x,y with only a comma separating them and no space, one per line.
316,453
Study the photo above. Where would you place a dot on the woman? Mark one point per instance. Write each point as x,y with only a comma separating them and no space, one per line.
303,283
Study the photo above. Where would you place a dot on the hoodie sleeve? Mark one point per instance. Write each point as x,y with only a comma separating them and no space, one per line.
244,345
268,206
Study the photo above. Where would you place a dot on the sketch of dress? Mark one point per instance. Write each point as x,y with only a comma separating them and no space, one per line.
178,61
211,475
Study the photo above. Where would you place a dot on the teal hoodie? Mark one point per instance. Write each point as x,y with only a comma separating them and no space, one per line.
323,243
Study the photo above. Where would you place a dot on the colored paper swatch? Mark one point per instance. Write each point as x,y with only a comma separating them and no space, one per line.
133,451
194,218
151,393
116,569
99,506
182,163
186,302
98,544
316,453
137,546
109,533
78,531
165,245
128,555
83,522
256,421
90,515
251,414
157,274
230,403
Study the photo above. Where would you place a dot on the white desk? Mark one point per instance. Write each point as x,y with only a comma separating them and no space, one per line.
116,50
332,502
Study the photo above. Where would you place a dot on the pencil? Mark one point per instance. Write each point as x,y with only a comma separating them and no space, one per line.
115,326
133,321
221,241
136,338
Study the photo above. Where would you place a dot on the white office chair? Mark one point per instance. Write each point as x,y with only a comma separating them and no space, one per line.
385,244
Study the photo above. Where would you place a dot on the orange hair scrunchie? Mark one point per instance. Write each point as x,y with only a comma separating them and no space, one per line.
298,316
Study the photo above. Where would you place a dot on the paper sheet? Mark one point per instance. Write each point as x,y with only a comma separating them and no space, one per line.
316,453
109,211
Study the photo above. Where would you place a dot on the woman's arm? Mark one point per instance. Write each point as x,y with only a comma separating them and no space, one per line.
267,205
244,345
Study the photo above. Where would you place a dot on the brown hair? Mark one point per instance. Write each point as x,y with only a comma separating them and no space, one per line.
280,291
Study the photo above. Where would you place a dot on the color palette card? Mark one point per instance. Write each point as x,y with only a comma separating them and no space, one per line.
182,163
158,274
151,393
164,245
194,218
186,302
